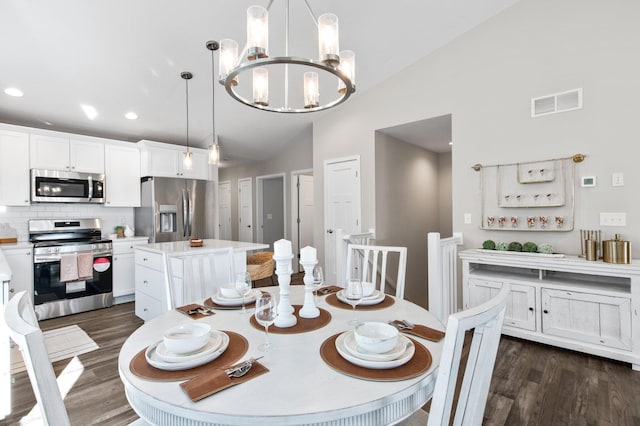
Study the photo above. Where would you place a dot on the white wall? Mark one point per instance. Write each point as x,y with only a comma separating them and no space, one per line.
486,79
297,155
407,206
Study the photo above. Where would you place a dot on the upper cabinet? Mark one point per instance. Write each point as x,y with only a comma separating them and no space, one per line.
122,176
59,153
160,159
14,168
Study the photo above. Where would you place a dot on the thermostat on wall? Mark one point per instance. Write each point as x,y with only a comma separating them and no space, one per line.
588,181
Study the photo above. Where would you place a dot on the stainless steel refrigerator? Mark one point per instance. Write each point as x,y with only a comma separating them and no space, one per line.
174,209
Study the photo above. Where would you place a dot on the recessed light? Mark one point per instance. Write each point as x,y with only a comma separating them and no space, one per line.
12,91
89,111
131,116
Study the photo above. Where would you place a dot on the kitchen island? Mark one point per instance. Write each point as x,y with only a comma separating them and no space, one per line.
151,275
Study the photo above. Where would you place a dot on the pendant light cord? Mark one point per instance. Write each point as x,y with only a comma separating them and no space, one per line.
213,98
186,85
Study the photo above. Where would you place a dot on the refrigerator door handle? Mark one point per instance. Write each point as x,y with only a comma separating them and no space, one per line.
190,213
185,212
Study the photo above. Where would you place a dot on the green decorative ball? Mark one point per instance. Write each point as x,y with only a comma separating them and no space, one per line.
545,248
530,247
489,245
515,246
502,246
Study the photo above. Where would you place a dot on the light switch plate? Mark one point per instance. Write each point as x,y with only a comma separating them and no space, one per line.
613,219
467,218
617,179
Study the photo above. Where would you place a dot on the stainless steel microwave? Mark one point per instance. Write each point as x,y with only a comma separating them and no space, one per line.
57,186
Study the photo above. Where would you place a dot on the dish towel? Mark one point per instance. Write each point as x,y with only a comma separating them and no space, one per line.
85,266
68,267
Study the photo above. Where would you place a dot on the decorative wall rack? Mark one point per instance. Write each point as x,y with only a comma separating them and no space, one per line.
529,196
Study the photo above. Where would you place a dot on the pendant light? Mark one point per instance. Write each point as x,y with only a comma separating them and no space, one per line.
187,160
214,148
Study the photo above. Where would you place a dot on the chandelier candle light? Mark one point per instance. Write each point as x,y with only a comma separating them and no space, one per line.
306,75
308,259
282,254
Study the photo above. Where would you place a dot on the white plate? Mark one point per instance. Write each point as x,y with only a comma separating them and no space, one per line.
236,301
376,365
152,357
374,299
214,342
352,346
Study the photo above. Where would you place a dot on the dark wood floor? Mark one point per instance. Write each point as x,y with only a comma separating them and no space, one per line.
532,384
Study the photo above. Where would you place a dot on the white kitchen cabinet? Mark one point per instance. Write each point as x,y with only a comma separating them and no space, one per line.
150,284
565,301
158,159
20,262
122,176
124,283
61,153
14,168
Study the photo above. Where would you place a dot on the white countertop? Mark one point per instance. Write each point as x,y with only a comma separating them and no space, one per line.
183,247
18,245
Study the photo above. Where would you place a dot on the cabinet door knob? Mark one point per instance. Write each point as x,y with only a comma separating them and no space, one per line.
545,311
531,309
12,290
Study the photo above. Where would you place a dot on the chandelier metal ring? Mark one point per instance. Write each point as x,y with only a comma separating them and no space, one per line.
229,82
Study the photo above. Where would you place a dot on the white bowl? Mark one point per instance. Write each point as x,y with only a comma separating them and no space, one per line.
186,338
229,291
368,288
376,337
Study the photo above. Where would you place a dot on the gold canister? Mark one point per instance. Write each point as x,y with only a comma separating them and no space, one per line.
591,249
616,251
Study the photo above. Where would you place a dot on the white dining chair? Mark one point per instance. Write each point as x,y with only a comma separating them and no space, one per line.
24,330
196,276
486,322
363,261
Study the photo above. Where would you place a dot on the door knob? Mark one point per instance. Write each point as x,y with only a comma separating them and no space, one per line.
329,231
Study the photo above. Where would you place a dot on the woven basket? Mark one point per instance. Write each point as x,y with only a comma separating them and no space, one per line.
260,265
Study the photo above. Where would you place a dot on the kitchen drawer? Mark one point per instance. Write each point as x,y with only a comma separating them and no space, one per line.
151,260
148,307
150,281
126,247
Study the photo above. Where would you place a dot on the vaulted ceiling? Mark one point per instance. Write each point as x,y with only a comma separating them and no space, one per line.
124,55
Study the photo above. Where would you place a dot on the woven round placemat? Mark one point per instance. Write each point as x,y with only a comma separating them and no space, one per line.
302,326
238,346
333,300
416,366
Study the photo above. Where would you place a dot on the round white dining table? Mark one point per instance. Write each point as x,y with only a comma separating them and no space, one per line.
300,387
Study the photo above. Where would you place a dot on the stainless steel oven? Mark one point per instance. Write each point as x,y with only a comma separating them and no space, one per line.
58,244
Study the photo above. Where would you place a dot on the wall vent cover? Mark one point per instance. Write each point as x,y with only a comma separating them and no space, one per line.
557,102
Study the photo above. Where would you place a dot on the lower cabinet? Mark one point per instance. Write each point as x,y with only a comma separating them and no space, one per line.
150,284
20,262
582,305
123,266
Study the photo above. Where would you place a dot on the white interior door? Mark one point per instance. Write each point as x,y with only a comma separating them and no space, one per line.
224,210
342,206
245,210
302,212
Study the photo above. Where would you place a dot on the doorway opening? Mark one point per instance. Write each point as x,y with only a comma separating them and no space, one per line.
271,208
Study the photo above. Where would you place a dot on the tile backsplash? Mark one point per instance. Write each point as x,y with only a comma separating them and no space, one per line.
17,217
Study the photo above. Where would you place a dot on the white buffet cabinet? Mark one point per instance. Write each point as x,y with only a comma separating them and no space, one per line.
151,278
567,301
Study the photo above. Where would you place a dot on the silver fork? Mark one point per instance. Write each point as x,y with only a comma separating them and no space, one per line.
241,369
399,326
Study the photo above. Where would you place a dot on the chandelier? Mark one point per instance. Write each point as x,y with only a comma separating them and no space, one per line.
303,76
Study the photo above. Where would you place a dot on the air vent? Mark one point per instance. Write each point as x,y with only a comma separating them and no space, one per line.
558,102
